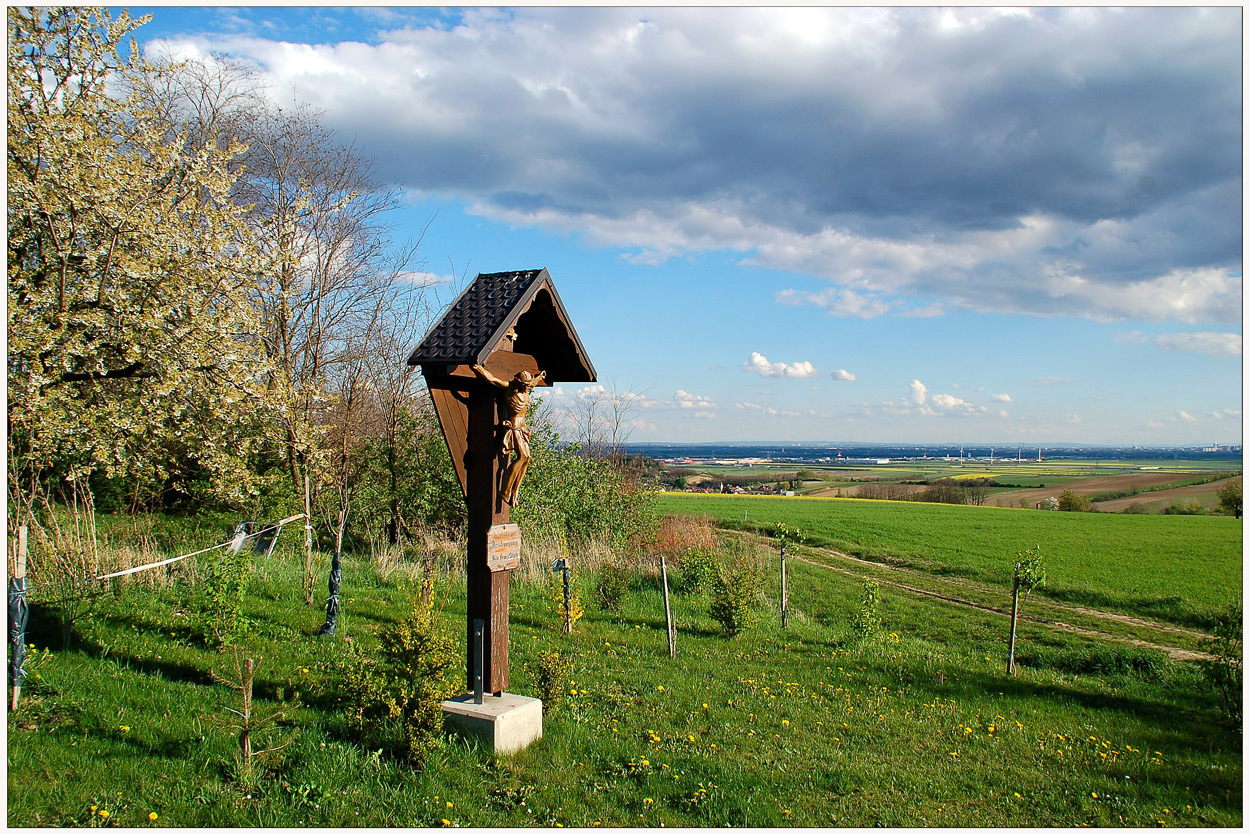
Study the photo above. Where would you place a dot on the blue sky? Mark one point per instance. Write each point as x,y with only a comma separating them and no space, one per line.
854,225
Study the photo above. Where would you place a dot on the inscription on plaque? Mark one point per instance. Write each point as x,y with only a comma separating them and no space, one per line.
503,547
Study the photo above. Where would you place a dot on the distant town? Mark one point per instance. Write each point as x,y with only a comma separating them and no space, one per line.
748,454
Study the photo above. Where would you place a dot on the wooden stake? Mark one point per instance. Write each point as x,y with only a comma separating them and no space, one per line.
245,732
308,543
668,612
1011,648
785,600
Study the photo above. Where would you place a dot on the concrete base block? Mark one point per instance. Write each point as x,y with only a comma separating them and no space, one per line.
505,723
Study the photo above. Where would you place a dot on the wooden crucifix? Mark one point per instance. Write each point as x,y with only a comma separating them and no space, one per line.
507,333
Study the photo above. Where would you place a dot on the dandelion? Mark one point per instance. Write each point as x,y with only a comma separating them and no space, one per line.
659,689
785,722
124,728
152,816
104,815
449,805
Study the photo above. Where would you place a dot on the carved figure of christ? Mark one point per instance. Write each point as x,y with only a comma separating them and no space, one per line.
515,403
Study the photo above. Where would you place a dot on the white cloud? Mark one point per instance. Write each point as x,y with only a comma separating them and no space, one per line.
949,402
695,402
917,393
1218,344
775,412
844,303
1001,398
965,157
759,364
1187,417
842,375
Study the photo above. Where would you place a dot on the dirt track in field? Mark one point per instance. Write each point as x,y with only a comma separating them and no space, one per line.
1047,612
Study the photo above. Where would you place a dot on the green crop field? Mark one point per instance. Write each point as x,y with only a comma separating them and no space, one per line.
1181,569
814,725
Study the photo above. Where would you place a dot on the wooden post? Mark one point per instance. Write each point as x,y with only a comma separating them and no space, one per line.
1011,646
308,542
245,731
785,601
668,611
487,584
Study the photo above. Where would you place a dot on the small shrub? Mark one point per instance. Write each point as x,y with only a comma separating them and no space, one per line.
224,592
733,597
1223,673
408,680
1070,502
1230,497
696,572
613,585
867,621
552,676
1050,503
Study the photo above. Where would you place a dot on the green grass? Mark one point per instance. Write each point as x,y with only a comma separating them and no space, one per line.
1179,569
803,727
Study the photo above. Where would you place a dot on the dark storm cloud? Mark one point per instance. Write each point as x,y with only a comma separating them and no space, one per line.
1060,160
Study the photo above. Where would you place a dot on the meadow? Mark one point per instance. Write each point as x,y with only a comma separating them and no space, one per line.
1179,569
915,724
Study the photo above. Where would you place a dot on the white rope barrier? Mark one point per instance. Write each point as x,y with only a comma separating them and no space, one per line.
265,529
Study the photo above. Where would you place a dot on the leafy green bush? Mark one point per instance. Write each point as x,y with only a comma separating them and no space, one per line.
867,621
733,597
586,498
1192,508
1230,497
1070,502
696,571
613,585
224,593
1223,673
407,681
408,480
552,676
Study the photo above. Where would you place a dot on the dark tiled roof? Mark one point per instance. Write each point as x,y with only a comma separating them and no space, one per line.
470,324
